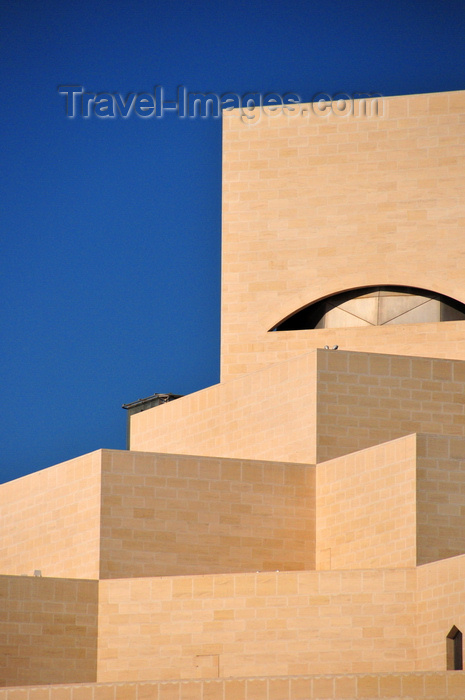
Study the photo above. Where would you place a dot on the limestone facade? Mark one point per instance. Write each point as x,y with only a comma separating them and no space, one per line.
317,205
297,531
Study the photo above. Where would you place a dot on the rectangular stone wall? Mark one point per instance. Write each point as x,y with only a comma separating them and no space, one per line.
50,521
440,497
48,630
257,625
339,401
266,415
441,605
165,515
365,399
366,508
443,340
316,205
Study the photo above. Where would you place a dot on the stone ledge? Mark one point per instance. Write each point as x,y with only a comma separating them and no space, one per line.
444,685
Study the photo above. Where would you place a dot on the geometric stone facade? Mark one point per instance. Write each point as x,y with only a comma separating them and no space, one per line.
162,515
316,406
297,531
48,630
319,205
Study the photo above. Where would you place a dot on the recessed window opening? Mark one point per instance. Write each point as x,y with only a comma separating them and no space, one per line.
375,306
454,648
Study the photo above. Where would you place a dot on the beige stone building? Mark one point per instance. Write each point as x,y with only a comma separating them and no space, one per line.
297,531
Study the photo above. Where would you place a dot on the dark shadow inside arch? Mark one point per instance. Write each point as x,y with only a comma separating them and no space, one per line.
375,306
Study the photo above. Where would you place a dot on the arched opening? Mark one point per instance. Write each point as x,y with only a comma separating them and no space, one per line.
375,306
454,650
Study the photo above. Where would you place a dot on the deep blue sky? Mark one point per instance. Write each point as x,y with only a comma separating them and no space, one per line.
110,244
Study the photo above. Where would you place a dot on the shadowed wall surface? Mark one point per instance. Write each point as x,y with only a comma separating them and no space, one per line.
48,630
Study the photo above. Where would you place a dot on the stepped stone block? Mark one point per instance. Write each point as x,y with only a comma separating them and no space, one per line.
50,521
401,503
258,624
297,531
311,408
48,630
114,514
366,508
229,625
166,515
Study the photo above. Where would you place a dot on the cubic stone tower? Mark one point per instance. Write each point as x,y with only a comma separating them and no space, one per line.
297,531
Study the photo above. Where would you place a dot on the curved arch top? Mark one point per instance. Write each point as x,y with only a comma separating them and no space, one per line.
374,306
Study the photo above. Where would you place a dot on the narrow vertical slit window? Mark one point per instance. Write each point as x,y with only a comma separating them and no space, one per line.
454,650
